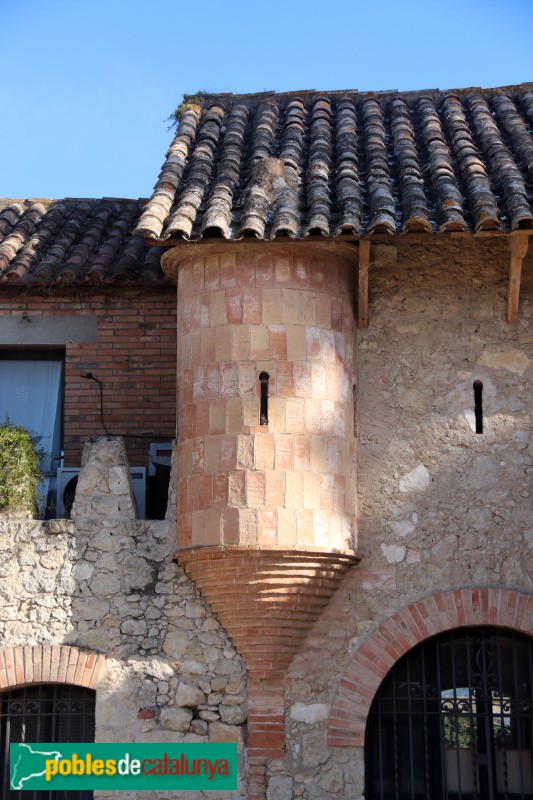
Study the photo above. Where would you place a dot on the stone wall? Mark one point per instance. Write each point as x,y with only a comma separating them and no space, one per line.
106,582
439,505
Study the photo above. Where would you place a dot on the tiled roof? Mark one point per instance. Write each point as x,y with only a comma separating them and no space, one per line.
346,162
74,241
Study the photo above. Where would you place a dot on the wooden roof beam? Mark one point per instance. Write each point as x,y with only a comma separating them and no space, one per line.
362,283
518,244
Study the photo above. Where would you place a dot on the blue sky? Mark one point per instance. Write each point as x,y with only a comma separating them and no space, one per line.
87,85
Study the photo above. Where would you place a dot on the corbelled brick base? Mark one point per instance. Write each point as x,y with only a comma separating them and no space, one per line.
267,600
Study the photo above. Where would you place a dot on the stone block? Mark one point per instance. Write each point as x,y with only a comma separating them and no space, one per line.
248,526
302,379
228,270
290,306
232,715
312,416
311,499
323,310
319,383
219,732
271,306
268,526
416,480
223,343
277,342
259,342
296,343
248,380
255,488
175,719
234,415
252,310
240,342
295,415
287,527
293,489
308,315
229,379
276,414
264,451
310,713
237,488
176,642
187,695
283,269
305,534
275,488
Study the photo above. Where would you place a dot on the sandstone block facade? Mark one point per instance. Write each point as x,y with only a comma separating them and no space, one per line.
288,313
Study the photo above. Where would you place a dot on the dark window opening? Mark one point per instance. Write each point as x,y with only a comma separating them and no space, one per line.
48,713
478,405
354,394
264,377
453,720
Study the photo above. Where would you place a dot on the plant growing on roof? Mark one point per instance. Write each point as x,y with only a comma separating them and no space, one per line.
19,470
189,101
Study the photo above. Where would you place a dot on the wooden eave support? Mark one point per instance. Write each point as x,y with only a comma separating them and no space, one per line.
362,283
518,244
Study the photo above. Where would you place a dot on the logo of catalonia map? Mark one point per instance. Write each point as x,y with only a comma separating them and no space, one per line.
30,763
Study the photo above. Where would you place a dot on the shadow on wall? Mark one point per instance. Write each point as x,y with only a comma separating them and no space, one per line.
432,491
106,581
439,505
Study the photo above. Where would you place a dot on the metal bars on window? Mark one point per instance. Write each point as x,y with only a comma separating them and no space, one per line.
49,713
453,720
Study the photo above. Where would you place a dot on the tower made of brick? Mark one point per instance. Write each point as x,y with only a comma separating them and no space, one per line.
266,446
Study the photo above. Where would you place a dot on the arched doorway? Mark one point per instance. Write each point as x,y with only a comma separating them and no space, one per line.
453,719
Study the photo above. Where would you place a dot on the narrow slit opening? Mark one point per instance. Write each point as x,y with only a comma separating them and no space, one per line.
478,405
263,409
354,391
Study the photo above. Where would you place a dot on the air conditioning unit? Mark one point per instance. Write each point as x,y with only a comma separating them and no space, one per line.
160,454
67,480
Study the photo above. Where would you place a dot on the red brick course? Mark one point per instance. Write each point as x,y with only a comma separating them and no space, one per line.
405,629
20,666
267,600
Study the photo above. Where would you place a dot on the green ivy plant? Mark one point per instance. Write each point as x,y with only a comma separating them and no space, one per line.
19,470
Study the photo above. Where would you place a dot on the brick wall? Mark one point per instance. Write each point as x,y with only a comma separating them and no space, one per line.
21,666
134,356
414,623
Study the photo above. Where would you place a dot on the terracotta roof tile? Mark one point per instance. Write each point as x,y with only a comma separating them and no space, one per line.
74,241
303,163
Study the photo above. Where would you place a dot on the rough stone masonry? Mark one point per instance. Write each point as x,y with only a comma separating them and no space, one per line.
106,582
439,508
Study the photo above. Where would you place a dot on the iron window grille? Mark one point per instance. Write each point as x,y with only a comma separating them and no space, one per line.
453,720
49,713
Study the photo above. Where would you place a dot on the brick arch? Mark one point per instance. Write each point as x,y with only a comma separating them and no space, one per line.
38,663
401,632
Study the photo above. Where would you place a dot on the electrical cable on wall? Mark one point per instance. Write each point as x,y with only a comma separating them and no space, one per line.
91,377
